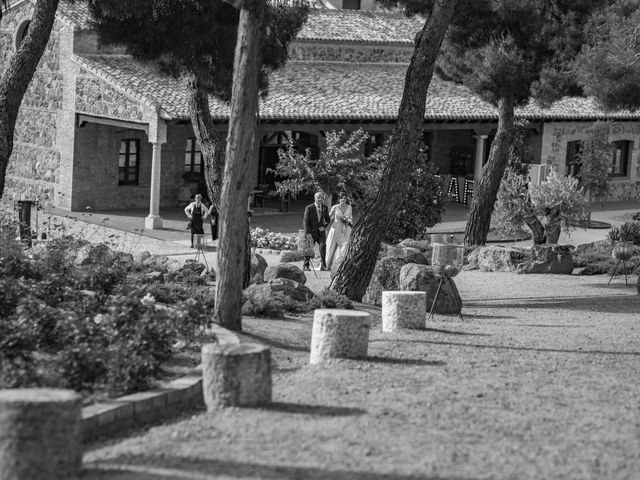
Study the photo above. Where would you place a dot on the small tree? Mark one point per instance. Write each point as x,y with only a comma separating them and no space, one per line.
340,167
559,201
594,158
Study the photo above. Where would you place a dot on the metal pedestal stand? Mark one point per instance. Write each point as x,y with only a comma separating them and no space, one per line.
441,280
199,242
622,251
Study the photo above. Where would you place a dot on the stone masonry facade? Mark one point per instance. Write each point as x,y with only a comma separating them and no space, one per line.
554,150
34,168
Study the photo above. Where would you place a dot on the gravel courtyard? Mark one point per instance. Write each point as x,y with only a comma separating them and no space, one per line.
540,381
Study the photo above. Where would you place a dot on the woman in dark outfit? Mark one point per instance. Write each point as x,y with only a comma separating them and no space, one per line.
196,212
213,219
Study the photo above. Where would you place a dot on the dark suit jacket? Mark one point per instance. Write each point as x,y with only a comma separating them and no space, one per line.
311,223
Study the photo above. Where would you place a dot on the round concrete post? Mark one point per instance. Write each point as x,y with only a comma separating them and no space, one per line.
236,375
40,434
403,309
339,333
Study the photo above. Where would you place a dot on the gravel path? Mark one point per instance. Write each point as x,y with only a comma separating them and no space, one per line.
540,381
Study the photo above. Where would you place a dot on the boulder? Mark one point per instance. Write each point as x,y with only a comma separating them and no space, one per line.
289,288
420,278
140,257
192,266
496,259
94,254
258,264
285,270
413,255
157,262
548,259
385,277
209,274
288,256
422,245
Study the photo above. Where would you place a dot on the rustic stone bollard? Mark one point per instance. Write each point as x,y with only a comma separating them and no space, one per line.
339,334
403,309
236,375
40,434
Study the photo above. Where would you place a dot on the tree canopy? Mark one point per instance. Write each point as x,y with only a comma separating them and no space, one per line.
608,67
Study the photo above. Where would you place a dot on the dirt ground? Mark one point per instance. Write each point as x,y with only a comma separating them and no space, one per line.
539,381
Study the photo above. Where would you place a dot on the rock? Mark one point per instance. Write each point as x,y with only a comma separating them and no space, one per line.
173,266
258,264
294,290
288,256
496,259
415,277
385,277
257,278
93,254
154,276
156,262
413,255
140,257
285,270
549,259
422,245
193,266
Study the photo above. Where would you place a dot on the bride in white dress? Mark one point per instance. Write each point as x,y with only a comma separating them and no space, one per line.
338,237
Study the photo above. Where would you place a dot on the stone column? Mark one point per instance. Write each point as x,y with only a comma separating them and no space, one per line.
157,136
338,333
477,168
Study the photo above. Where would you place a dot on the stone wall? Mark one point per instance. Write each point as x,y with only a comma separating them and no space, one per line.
96,97
95,174
443,141
554,151
34,168
325,52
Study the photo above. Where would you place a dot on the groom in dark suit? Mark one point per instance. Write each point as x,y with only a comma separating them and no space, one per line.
316,220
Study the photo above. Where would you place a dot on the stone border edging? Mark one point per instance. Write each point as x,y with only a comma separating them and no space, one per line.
109,417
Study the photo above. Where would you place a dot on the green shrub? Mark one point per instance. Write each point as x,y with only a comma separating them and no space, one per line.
627,232
596,259
291,256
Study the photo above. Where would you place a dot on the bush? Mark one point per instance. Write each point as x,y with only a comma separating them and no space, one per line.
263,238
329,299
627,232
596,259
261,304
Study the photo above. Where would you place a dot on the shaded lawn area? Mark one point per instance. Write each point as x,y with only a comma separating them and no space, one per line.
540,381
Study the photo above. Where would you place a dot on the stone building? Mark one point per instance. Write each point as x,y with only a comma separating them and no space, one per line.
99,129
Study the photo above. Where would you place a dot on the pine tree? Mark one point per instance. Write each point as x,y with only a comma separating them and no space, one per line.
355,271
509,53
206,43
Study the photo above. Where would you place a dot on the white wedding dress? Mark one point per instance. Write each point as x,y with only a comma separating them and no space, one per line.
338,237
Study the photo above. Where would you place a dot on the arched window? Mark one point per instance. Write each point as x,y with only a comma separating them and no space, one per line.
22,32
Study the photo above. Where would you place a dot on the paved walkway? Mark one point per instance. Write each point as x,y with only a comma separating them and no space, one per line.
174,239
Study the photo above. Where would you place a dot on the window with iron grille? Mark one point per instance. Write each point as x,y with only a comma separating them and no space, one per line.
193,159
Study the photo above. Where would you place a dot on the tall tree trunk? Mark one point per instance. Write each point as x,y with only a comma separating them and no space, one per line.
16,78
537,229
354,273
211,142
240,155
553,227
485,190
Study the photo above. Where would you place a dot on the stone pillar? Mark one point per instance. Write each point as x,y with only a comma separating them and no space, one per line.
339,333
157,136
40,434
236,375
403,309
477,168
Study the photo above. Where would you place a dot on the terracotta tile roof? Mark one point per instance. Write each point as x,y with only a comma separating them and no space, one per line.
76,13
333,91
360,26
322,24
